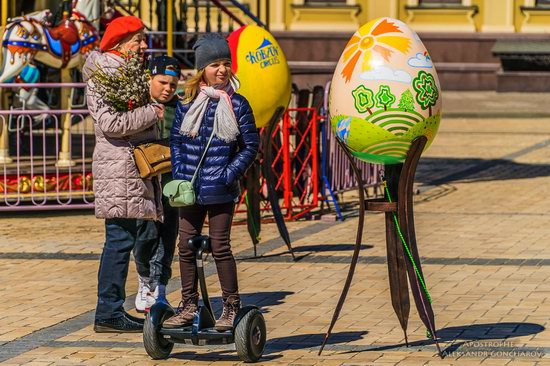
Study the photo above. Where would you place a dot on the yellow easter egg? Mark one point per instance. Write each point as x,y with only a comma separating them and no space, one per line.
384,92
261,67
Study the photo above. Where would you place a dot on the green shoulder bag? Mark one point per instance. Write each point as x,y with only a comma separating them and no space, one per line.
180,192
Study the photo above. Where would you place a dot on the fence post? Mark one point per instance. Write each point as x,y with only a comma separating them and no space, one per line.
4,151
66,97
169,28
4,13
4,133
314,157
287,164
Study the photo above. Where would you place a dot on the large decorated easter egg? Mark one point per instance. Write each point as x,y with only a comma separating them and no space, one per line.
384,92
261,67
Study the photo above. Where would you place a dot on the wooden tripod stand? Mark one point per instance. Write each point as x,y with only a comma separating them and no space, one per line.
402,250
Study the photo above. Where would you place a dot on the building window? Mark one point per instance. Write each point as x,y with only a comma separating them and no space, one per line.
543,3
325,2
440,2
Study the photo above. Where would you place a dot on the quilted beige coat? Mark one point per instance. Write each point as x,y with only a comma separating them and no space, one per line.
119,191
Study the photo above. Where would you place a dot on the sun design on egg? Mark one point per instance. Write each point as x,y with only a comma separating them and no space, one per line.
383,38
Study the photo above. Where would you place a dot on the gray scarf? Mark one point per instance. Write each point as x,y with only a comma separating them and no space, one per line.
226,127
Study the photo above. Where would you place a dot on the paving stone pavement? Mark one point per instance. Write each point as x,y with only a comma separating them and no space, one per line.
482,225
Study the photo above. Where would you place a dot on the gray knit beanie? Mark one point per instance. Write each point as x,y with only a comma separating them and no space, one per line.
210,47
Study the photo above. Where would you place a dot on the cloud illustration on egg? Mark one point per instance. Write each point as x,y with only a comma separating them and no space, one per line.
421,60
386,73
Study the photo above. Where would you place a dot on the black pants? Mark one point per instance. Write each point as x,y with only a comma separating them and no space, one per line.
220,218
161,262
121,236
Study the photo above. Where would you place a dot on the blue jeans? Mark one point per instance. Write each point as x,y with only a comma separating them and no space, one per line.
121,236
161,262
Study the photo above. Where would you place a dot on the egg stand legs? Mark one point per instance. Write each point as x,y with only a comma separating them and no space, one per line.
402,250
252,202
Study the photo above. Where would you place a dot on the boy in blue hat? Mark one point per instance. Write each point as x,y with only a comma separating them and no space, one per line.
165,74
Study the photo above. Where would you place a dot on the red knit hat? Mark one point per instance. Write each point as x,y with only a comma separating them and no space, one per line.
118,29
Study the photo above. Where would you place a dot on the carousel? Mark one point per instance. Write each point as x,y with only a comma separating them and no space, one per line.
45,137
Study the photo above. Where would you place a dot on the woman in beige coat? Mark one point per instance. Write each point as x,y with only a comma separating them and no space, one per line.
122,198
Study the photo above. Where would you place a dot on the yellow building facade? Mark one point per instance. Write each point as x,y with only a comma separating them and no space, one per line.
486,16
448,16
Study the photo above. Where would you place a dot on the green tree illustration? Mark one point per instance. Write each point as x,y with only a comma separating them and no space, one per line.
426,90
384,97
406,102
363,99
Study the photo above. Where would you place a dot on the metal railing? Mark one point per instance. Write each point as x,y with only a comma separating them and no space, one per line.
337,173
173,26
45,156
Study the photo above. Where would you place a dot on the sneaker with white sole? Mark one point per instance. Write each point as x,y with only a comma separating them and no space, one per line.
142,303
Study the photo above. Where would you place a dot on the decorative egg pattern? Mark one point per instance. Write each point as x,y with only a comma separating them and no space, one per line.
261,67
385,92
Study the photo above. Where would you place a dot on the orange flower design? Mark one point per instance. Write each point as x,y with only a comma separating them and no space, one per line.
383,37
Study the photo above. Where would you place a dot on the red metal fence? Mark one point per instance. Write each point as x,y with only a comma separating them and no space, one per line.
295,164
300,161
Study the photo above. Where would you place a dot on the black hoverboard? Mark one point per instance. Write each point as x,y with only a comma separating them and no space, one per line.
249,330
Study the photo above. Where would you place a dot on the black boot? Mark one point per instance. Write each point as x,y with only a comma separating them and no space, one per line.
124,324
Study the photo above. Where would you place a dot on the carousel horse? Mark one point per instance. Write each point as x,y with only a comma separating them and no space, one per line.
31,37
63,46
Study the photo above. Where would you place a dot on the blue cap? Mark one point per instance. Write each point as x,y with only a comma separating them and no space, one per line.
165,65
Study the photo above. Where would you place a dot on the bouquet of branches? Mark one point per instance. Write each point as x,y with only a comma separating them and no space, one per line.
125,87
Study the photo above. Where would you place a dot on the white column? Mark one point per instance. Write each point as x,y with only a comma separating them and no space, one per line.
277,15
498,16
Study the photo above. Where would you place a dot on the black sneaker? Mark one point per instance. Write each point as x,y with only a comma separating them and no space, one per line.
121,324
134,319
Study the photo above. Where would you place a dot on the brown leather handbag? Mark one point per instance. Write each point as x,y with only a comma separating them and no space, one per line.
152,158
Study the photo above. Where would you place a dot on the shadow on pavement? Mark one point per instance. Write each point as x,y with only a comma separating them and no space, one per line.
476,332
461,335
437,171
330,248
223,355
309,249
302,341
484,332
263,300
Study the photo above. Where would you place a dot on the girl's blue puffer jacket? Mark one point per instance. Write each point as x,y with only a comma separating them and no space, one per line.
225,162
